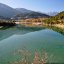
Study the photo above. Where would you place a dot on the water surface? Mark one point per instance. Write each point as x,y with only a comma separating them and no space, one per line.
13,39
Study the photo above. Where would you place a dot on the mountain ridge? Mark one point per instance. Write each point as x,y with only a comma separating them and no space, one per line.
9,12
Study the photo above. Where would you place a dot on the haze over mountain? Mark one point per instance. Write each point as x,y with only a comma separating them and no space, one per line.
9,12
23,10
52,13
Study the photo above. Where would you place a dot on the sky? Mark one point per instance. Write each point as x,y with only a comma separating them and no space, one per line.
36,5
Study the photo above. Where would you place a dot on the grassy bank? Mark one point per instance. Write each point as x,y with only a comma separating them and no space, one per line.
44,22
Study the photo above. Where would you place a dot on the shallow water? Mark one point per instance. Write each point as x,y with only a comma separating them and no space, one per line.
13,39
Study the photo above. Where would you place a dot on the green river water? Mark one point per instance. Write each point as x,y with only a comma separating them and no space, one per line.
13,39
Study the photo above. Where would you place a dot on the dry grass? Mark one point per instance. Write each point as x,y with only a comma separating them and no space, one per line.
59,26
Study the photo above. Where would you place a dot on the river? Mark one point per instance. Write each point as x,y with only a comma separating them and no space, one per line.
15,38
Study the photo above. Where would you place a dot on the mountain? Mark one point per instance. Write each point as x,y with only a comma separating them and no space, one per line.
29,14
1,17
5,18
60,15
59,18
23,10
7,11
32,14
52,13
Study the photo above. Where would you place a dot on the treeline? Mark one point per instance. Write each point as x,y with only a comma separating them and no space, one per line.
58,19
6,23
33,20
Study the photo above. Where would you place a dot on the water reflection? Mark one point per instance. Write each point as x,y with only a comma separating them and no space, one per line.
19,30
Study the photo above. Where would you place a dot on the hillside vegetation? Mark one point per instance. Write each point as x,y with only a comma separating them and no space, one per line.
32,14
59,18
